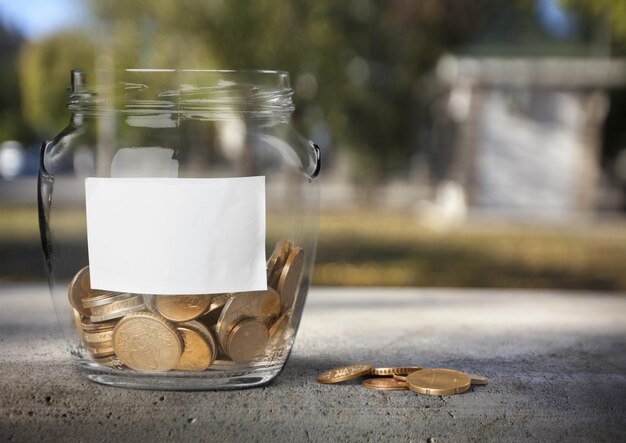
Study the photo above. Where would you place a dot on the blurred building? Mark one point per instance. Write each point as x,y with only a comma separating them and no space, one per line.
523,135
516,118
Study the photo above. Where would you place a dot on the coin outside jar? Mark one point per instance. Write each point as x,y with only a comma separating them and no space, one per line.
478,379
385,384
146,342
406,370
438,381
344,373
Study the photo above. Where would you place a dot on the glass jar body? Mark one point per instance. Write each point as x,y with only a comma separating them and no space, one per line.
175,141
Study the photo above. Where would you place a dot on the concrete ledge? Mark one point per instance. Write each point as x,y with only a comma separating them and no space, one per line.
556,363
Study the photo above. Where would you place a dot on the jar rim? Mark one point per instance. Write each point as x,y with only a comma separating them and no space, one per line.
182,90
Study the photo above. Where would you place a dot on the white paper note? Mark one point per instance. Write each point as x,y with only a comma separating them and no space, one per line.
176,235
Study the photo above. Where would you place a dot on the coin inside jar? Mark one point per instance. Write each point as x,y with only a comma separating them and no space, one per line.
101,351
117,309
290,277
199,347
103,298
79,289
146,342
283,248
261,305
247,340
273,260
98,336
181,308
279,323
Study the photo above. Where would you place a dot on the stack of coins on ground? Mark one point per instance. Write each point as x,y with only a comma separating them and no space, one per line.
415,378
188,332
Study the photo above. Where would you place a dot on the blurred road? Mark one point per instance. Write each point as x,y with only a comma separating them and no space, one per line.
556,362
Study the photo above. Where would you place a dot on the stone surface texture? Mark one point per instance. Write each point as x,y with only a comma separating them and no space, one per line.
556,362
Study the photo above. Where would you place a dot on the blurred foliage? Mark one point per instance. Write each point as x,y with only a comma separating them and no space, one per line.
394,249
11,125
612,12
44,68
378,249
355,64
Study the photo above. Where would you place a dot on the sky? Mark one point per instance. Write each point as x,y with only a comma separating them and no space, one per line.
38,18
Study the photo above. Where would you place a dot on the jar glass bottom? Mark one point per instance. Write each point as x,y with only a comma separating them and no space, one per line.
218,379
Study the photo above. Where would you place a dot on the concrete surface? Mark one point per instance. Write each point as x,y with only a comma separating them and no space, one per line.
556,364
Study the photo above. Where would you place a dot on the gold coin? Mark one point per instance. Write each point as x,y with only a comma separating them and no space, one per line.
79,289
219,301
274,277
199,347
182,307
273,260
103,298
478,379
99,352
92,338
78,320
88,326
146,342
261,305
117,309
221,353
109,360
290,278
247,340
279,323
395,371
344,373
212,314
285,249
282,250
385,384
438,381
124,303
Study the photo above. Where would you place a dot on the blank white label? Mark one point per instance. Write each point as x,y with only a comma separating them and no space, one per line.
176,235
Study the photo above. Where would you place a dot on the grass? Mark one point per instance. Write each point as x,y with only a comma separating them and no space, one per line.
374,249
364,249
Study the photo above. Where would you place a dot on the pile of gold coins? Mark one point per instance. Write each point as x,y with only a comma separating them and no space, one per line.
437,381
154,333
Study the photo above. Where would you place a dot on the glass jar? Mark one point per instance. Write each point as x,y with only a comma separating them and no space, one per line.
178,216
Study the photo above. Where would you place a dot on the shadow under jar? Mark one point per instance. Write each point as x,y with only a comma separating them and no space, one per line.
178,215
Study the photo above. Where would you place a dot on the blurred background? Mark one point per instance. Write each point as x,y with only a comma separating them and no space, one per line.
466,143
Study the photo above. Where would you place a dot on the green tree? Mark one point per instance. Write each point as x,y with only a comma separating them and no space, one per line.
611,12
44,68
11,126
355,64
